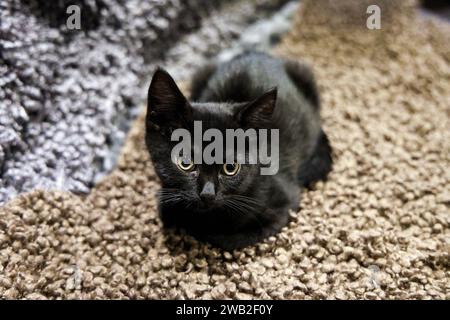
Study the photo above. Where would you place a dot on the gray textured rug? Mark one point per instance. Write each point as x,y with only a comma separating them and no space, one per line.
67,96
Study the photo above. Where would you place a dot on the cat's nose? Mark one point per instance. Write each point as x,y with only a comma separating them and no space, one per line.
208,192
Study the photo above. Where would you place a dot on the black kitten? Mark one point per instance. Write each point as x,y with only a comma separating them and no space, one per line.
231,205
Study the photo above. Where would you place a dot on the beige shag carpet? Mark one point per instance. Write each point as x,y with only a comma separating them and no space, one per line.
379,228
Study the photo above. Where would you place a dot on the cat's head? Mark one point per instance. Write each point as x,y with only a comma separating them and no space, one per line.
202,186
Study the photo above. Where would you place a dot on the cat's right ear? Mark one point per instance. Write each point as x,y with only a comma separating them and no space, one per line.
258,113
166,105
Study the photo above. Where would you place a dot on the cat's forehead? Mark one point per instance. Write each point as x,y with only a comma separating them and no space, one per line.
214,115
212,108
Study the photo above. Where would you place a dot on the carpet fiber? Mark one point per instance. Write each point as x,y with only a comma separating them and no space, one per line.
378,228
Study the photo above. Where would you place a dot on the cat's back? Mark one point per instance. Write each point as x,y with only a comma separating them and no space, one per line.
245,78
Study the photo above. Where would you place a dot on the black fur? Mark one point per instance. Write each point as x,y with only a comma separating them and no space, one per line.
253,90
302,76
318,165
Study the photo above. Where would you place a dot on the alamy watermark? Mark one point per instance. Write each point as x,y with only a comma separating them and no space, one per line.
73,22
249,146
373,22
74,282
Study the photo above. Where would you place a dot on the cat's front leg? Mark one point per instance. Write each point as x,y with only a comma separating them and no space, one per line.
267,224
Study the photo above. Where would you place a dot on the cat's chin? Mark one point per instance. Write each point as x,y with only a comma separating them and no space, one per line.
204,207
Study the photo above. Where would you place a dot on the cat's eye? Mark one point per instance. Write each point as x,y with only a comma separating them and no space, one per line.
185,164
231,169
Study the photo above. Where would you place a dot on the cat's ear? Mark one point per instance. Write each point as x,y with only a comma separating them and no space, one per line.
166,105
258,113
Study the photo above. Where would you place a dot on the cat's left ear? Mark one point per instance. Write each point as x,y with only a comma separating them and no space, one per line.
166,105
258,113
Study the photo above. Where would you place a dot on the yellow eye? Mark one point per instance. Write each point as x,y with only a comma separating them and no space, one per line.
230,169
185,164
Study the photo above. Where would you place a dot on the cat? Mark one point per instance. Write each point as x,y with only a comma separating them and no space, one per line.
252,90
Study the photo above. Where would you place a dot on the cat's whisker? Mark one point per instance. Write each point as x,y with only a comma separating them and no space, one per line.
231,207
248,202
234,207
240,207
